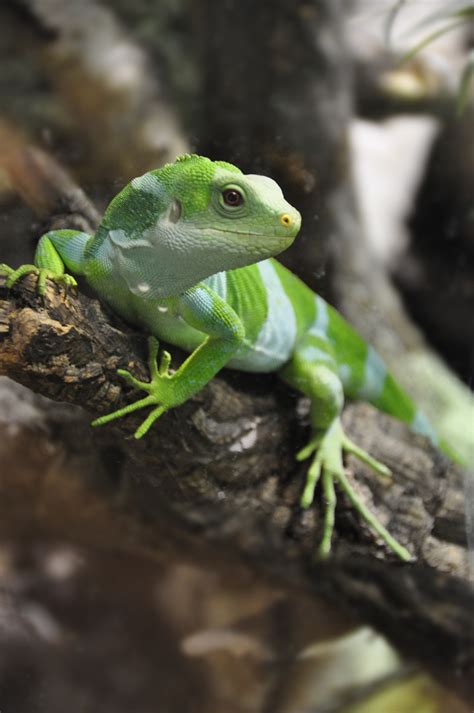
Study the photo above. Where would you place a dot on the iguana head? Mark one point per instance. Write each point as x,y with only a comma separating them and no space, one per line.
218,194
210,217
214,207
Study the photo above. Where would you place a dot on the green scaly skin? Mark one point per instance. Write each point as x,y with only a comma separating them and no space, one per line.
186,253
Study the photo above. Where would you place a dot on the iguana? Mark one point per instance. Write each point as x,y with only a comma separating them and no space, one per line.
185,252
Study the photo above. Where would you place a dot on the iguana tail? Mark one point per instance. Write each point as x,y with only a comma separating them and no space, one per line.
366,378
396,402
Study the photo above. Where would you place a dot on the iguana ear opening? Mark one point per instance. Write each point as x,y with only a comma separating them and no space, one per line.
175,210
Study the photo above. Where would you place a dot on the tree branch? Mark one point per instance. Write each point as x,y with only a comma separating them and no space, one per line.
220,470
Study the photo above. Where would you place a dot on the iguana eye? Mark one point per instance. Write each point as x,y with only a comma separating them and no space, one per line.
232,197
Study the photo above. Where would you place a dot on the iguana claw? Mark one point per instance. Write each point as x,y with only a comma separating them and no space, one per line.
43,275
327,465
158,374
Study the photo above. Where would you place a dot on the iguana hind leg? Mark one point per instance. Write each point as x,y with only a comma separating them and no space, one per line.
318,379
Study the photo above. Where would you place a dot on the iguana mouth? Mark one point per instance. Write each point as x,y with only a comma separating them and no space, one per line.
249,234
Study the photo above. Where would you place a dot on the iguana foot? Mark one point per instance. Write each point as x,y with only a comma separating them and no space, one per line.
327,465
43,275
158,389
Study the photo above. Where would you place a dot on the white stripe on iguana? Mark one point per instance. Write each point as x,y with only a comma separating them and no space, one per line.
277,336
203,300
314,354
420,424
148,183
218,283
345,373
319,327
374,376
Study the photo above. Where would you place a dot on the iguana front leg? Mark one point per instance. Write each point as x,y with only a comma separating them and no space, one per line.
55,251
204,310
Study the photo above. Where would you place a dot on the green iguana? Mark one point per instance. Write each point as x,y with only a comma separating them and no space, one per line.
185,252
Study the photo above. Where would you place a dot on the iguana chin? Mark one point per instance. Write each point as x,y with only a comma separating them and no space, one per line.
185,252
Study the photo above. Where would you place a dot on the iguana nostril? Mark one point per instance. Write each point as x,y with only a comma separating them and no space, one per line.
286,220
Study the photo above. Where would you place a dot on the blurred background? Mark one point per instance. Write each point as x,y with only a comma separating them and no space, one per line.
363,111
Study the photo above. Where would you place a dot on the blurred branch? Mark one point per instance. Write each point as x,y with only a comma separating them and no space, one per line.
43,184
407,80
384,88
112,94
